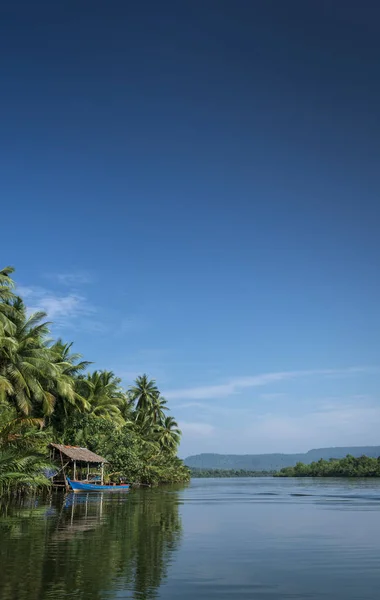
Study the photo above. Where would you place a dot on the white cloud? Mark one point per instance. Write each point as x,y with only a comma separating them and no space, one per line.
349,420
74,278
347,425
234,386
60,308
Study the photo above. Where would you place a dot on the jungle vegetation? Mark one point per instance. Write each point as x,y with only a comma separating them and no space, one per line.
49,393
364,466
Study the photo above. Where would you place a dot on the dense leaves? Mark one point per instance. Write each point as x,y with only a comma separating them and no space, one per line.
44,384
22,458
350,466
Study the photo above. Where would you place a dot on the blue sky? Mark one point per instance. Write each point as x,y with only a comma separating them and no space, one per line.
192,190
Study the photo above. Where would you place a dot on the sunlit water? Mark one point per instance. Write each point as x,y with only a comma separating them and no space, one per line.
269,539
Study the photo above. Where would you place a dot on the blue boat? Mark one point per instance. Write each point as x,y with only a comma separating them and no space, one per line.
81,486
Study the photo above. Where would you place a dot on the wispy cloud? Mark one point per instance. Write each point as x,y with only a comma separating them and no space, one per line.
335,422
74,278
60,308
235,385
344,425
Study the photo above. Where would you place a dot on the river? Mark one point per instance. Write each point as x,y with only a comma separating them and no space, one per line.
259,539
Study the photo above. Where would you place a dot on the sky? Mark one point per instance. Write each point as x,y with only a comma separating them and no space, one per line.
191,189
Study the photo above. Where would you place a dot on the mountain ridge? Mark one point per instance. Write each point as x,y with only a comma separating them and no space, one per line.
276,460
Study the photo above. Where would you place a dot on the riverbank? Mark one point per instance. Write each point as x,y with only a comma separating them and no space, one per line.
350,466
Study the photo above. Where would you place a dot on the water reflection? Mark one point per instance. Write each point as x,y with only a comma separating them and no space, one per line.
88,546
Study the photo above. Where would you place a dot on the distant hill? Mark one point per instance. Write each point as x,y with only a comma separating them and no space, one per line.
274,462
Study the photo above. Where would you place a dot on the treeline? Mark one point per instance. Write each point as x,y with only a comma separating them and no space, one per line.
349,466
198,472
48,393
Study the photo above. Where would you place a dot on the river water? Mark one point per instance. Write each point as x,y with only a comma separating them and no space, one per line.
264,538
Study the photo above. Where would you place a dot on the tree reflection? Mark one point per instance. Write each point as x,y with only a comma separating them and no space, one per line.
89,546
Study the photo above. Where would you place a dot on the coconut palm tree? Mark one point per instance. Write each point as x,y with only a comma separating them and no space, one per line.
7,297
27,368
168,434
22,470
72,365
70,368
157,412
145,394
7,327
21,461
104,395
66,388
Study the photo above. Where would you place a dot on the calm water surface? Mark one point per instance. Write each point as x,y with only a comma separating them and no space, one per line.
269,539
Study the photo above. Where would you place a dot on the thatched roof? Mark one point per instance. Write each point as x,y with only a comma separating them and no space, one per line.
80,454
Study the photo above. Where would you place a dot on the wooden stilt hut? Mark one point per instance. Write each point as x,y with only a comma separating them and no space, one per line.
79,463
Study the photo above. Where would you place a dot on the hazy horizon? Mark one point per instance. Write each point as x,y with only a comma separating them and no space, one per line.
290,453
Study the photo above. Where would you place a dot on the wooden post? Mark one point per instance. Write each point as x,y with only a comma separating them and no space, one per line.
75,470
102,475
64,474
72,510
88,470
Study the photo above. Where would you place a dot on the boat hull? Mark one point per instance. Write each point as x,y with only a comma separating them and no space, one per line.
80,486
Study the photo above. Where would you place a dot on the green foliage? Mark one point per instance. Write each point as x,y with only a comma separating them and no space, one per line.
349,466
44,384
145,393
120,445
22,471
168,434
104,395
22,460
131,457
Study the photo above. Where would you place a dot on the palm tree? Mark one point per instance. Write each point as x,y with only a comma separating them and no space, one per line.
72,365
22,470
104,395
169,435
145,394
70,368
158,409
7,327
21,462
27,368
67,386
7,297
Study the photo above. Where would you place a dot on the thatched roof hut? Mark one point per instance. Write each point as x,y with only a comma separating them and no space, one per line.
76,454
79,454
